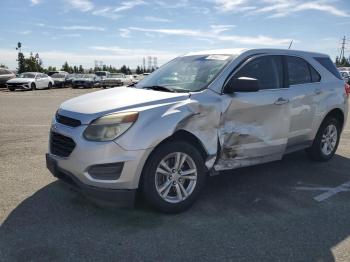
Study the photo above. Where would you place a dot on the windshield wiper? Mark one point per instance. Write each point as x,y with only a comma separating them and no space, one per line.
160,88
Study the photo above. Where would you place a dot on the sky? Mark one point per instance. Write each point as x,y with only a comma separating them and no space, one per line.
123,32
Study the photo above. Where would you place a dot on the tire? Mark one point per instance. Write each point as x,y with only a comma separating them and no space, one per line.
49,85
174,182
11,89
325,141
32,86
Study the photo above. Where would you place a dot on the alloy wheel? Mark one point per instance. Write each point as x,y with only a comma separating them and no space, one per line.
176,177
329,139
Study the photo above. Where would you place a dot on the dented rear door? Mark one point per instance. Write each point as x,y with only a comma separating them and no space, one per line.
254,127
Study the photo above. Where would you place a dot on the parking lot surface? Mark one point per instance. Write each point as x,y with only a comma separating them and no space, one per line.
290,210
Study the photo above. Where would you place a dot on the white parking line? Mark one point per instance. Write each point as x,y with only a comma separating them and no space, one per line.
342,188
330,191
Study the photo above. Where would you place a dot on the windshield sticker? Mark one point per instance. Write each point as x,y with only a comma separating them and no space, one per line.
217,57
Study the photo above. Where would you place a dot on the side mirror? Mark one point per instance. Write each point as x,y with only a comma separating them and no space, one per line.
242,84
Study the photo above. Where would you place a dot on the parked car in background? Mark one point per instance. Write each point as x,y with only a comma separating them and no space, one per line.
30,81
50,73
102,74
345,75
71,77
135,78
225,109
60,79
115,79
5,75
86,81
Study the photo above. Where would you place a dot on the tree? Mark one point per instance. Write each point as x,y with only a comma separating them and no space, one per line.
139,70
66,67
123,69
3,66
344,62
33,63
81,69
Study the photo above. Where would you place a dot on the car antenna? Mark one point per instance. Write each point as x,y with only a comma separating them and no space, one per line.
290,45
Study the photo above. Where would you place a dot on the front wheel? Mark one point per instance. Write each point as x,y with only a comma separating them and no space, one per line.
49,85
173,176
326,141
32,86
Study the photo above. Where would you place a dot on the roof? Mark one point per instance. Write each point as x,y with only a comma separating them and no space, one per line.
238,51
234,51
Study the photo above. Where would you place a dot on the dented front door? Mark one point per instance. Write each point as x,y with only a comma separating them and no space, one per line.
254,127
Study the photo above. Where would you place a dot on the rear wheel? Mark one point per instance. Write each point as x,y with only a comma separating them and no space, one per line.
326,141
173,177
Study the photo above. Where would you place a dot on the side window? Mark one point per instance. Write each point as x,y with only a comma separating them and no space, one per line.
3,71
298,71
268,70
315,76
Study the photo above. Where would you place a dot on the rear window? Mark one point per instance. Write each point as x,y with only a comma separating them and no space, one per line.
328,64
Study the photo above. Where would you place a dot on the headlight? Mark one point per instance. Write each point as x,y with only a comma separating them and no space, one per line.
109,127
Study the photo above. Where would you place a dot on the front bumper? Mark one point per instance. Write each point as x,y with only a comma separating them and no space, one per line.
18,85
125,198
87,154
59,84
83,84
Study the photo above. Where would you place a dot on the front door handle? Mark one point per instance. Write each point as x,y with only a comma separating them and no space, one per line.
281,101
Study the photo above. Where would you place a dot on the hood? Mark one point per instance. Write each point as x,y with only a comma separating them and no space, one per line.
92,105
20,80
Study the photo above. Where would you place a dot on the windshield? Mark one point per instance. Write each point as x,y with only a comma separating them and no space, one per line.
58,76
115,76
101,73
187,73
27,75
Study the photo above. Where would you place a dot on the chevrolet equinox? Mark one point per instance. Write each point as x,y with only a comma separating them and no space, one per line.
198,114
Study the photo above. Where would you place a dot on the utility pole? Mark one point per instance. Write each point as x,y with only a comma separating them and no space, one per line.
290,45
342,50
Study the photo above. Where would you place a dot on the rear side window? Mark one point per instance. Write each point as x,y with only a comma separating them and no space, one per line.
298,71
268,70
315,76
3,72
327,63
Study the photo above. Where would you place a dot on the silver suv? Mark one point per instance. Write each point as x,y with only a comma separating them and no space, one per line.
196,115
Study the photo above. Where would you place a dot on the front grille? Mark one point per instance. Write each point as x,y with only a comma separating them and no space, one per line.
16,84
61,145
67,121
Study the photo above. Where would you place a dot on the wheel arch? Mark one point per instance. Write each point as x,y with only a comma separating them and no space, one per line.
337,113
179,135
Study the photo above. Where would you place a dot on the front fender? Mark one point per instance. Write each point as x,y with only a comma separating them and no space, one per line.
155,124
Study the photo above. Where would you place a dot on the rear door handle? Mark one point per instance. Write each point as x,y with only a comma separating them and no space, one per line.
281,101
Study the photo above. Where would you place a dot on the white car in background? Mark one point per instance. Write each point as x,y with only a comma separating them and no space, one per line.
115,79
30,81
